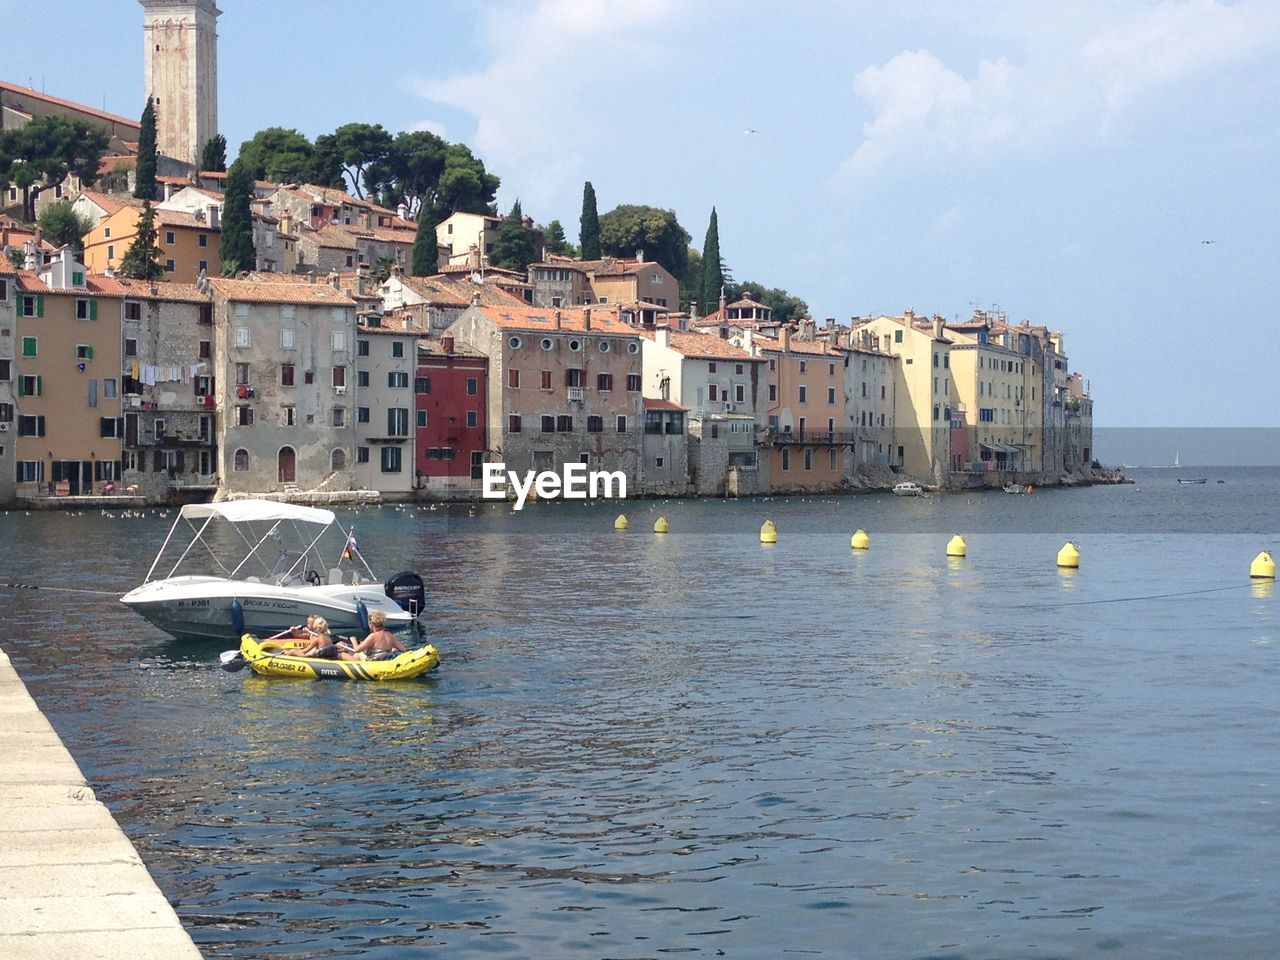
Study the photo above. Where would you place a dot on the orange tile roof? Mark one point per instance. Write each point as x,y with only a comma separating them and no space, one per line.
108,164
655,403
180,218
810,347
161,290
277,291
79,107
537,319
110,204
213,174
332,235
29,282
703,345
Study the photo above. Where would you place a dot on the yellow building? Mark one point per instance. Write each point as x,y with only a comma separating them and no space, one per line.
921,443
68,380
188,243
999,389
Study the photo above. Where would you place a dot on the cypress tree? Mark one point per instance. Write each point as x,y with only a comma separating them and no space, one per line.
214,158
712,268
589,232
142,260
426,252
145,185
236,248
513,247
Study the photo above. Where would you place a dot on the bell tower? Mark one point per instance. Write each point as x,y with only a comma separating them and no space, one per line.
181,58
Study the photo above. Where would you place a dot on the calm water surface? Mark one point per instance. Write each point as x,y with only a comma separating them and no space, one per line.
695,745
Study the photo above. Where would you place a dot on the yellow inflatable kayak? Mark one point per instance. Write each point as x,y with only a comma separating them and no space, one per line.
271,658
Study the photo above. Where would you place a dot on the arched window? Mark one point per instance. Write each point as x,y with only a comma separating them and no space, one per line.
338,459
287,465
240,461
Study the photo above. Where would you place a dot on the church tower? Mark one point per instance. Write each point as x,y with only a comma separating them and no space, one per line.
182,74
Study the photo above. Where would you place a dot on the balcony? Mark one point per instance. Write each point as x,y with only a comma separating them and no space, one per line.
812,437
576,394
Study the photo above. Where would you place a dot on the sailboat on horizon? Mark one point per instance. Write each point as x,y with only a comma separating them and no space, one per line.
1176,461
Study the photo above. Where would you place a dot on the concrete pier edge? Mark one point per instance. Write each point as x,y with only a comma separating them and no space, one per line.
72,886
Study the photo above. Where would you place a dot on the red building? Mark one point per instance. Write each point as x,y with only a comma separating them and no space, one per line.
449,397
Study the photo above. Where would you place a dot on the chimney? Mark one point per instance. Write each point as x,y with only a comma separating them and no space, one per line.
109,272
446,341
402,210
333,279
475,299
213,217
639,256
784,337
693,311
555,320
31,261
168,190
938,323
662,337
586,319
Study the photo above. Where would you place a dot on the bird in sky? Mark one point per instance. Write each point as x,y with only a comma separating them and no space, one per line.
1208,241
748,130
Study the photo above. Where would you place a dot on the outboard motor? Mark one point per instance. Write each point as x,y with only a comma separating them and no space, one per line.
407,589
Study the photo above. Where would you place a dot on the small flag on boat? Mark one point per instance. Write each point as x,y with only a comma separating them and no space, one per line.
351,547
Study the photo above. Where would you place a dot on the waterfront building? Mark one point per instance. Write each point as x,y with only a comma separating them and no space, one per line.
284,357
665,466
807,442
451,390
8,397
921,391
167,390
869,379
564,386
1077,452
67,374
1001,387
386,363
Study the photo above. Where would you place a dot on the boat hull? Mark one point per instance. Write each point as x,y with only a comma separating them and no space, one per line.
271,658
212,608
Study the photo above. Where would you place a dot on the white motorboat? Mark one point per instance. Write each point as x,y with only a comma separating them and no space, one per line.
294,561
908,488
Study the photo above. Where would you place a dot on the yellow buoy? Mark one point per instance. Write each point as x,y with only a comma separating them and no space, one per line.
621,523
1069,555
1263,567
860,540
768,532
956,547
660,525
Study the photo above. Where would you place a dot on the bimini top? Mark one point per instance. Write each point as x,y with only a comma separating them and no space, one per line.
246,511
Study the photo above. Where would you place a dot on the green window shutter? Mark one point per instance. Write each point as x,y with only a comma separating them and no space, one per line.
29,346
22,386
93,314
90,356
39,386
40,305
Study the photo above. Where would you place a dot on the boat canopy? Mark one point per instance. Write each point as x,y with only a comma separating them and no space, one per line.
247,511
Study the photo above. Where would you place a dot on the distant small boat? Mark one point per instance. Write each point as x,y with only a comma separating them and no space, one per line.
1017,488
1176,462
908,488
1193,480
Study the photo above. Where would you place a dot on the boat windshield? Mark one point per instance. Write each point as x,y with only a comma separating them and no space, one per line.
260,540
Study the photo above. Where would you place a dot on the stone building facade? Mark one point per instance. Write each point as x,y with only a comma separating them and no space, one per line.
8,363
386,359
181,66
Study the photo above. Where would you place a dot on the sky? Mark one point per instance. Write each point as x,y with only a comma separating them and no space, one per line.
1108,169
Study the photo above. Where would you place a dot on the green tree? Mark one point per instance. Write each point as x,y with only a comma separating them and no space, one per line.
62,225
691,283
237,221
589,224
46,151
278,155
464,186
426,252
381,269
513,248
142,259
553,238
358,147
144,186
214,157
712,268
411,172
627,229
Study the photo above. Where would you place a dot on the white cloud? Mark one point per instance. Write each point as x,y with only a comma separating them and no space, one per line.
431,126
560,71
944,225
925,113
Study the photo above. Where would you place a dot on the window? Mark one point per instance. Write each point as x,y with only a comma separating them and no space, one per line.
109,388
169,237
804,393
339,417
422,419
564,423
473,386
243,340
397,348
786,458
286,338
339,377
362,378
4,289
84,351
773,393
244,416
288,416
740,393
398,422
204,386
31,306
713,392
831,394
362,454
242,374
546,379
604,381
398,378
30,386
31,426
548,424
240,460
30,346
515,343
513,379
82,309
362,348
633,348
604,346
31,471
897,336
633,383
202,266
804,365
203,240
595,424
391,460
286,374
575,345
622,424
473,418
421,384
339,340
170,266
808,458
477,464
513,423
